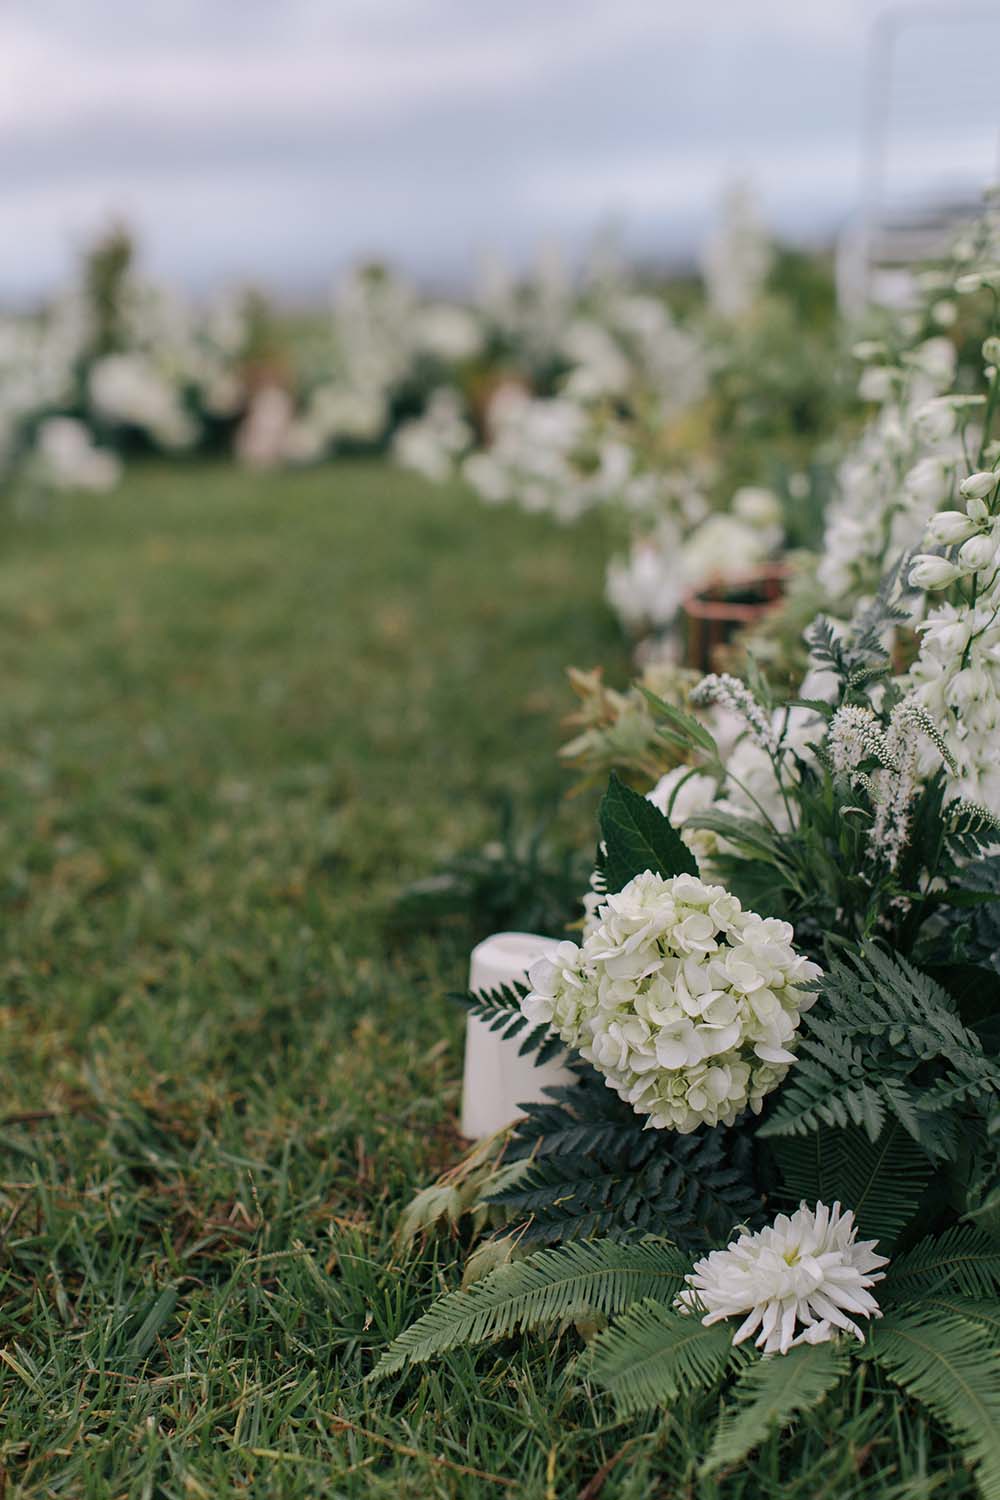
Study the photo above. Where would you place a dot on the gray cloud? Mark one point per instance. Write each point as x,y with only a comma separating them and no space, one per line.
280,141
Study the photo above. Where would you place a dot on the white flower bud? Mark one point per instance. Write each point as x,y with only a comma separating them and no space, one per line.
991,350
977,553
979,485
929,572
949,527
971,281
977,510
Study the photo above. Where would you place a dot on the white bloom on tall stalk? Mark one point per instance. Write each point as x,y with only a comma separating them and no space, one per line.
956,676
737,255
802,1280
684,1001
903,467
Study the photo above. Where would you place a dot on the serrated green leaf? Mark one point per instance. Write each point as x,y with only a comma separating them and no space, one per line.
638,837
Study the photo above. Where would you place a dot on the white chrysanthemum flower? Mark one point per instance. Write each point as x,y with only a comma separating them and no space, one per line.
684,1001
806,1272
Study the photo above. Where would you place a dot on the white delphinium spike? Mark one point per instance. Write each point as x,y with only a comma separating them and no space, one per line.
799,1281
956,676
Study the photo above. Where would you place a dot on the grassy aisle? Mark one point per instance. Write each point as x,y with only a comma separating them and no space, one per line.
237,713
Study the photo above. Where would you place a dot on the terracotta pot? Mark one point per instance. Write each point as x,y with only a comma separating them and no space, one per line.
721,608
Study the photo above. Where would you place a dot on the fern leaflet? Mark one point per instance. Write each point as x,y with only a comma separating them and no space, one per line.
653,1354
953,1370
601,1277
769,1393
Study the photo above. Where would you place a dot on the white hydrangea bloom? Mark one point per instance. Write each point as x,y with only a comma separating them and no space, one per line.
801,1280
685,1002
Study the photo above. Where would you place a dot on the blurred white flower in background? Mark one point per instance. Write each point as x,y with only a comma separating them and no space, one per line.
66,458
685,551
431,443
127,389
737,255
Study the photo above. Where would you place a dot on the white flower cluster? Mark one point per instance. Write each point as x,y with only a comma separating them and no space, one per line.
431,443
857,735
130,389
802,1280
689,548
536,456
684,1001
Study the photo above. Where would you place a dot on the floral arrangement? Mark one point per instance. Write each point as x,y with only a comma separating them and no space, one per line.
114,366
558,393
824,1077
779,1154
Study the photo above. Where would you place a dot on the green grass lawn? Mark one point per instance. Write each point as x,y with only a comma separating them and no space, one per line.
238,713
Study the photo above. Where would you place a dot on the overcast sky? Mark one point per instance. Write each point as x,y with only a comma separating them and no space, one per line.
278,139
